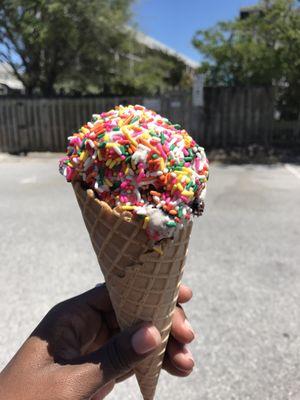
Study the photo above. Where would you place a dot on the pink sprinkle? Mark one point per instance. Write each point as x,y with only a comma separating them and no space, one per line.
166,148
185,152
124,184
70,174
140,177
184,198
161,150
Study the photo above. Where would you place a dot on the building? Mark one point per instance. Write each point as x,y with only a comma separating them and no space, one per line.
155,45
246,12
9,84
176,70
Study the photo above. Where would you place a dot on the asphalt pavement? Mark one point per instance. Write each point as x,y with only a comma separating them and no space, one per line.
243,266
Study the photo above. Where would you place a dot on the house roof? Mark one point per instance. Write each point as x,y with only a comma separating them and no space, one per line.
154,44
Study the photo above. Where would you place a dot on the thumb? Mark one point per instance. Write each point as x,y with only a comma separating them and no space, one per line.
117,357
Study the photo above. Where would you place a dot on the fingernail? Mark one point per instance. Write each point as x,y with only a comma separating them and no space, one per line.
188,354
145,339
189,327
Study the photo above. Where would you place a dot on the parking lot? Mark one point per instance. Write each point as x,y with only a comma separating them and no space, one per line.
243,267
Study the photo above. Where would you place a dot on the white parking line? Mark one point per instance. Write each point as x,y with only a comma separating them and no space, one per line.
292,170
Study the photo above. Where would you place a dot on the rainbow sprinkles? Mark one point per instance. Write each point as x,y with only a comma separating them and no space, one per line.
139,162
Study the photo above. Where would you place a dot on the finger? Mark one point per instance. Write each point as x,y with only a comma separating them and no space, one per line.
172,370
181,329
111,320
179,357
185,294
117,357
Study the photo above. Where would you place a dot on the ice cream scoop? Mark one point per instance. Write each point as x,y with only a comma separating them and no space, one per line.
139,162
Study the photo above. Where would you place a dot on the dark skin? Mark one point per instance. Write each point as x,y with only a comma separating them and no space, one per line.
78,352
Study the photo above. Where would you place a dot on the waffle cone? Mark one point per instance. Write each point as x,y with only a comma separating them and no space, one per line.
142,279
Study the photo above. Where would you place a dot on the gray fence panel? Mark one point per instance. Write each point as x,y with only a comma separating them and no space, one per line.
231,116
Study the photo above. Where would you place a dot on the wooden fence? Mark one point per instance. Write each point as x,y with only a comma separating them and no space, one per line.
230,117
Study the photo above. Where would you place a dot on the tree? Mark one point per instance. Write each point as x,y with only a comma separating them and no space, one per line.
262,49
152,72
53,44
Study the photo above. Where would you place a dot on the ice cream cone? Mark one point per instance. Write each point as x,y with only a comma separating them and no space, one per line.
142,278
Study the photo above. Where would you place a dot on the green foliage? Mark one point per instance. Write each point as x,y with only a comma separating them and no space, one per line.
59,44
262,49
151,73
81,47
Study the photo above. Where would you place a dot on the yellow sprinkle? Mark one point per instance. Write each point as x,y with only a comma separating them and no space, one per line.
146,222
187,179
108,162
158,250
128,208
162,164
145,135
84,130
99,155
113,163
129,137
126,170
83,156
180,187
188,194
106,138
107,182
109,145
187,170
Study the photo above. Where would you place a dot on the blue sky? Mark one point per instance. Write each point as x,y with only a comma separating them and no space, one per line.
174,22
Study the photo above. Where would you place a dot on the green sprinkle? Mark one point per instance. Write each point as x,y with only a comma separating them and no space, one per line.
155,156
163,138
191,153
172,147
102,145
196,187
180,213
115,185
189,185
188,158
83,144
178,168
134,120
171,224
128,159
123,150
177,126
116,128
